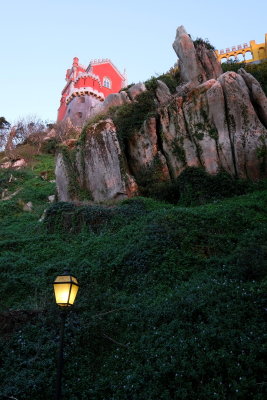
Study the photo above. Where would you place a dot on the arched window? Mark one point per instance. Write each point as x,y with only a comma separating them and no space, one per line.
107,83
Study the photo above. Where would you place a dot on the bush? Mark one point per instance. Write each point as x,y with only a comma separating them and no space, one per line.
163,191
172,80
129,118
68,218
201,42
198,187
50,146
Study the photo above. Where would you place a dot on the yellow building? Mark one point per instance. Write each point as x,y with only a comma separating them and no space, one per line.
254,53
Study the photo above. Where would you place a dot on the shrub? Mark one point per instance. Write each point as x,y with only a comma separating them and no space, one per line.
69,218
129,118
203,42
163,191
50,146
198,187
172,81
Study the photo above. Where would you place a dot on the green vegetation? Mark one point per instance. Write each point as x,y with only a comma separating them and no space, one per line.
172,298
28,185
203,42
128,118
171,79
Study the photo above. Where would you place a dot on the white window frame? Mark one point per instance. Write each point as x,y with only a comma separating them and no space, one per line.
107,82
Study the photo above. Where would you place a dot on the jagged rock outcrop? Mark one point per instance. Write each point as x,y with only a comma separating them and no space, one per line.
113,100
144,153
118,99
96,166
136,89
163,93
216,121
197,65
258,97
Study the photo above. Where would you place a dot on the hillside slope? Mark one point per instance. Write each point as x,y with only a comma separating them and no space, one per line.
171,304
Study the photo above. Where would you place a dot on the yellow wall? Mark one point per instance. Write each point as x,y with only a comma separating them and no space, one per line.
258,51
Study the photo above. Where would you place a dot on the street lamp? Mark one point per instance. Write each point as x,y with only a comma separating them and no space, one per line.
66,288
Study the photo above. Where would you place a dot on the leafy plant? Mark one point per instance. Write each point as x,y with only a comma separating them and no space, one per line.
203,42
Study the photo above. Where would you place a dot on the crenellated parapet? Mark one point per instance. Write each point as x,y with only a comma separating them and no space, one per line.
88,75
89,91
252,53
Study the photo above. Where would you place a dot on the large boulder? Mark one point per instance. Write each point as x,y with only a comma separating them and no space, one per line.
96,167
163,93
258,97
196,64
144,156
62,179
136,89
247,134
113,100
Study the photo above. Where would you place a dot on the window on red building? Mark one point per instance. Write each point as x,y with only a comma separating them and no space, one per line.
107,83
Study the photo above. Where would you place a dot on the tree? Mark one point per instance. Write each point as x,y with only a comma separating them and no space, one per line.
30,128
4,127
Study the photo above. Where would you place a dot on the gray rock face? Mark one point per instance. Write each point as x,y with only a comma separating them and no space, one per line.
163,93
102,174
197,65
208,60
257,95
98,167
113,100
136,89
62,179
144,154
188,62
247,134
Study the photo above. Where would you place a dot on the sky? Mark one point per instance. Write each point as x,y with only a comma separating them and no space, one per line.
39,39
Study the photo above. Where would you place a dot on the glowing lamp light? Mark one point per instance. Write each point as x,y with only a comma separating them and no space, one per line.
66,288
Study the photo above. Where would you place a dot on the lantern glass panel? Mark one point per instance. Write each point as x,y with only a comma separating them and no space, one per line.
65,288
62,293
73,293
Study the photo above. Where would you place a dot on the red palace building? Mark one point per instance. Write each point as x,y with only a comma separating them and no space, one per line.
87,87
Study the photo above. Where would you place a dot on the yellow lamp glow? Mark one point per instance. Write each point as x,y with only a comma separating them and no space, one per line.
66,288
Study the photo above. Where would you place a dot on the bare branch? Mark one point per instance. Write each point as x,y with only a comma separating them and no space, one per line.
114,341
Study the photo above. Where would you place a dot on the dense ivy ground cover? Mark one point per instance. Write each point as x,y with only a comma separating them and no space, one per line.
171,304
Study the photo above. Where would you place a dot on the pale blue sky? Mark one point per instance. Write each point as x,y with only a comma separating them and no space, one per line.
41,37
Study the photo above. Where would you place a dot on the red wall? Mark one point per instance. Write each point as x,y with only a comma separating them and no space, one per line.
62,110
107,70
88,81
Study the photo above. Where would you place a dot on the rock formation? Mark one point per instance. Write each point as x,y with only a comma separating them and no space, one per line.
96,167
216,121
197,64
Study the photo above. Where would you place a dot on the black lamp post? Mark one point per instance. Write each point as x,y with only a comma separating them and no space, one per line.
65,287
